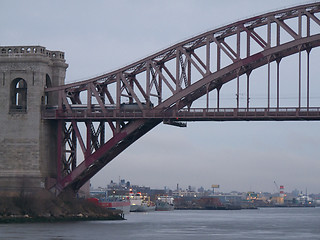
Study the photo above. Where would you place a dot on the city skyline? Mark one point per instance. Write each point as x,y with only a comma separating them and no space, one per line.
276,187
105,35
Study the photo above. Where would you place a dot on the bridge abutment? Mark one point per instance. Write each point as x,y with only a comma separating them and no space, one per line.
28,144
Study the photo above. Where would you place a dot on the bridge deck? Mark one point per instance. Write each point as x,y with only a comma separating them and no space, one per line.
193,114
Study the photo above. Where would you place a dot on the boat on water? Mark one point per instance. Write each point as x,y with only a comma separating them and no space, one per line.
113,203
139,203
164,203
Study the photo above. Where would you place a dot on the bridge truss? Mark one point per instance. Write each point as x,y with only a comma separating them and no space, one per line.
119,107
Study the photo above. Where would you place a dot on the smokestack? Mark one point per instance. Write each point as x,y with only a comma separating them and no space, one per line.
281,191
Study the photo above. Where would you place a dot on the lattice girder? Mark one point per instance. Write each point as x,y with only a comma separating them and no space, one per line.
142,94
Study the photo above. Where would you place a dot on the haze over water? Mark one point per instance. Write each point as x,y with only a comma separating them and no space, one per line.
265,223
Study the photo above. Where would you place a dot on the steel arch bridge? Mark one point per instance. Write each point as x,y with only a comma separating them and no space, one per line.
119,107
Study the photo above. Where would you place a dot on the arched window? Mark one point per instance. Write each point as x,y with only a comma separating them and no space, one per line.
18,93
47,96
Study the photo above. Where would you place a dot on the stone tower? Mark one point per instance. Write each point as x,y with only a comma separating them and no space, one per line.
27,143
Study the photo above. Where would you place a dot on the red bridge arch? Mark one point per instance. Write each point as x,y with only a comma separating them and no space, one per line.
119,107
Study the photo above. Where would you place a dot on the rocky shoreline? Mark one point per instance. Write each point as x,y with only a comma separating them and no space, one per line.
45,207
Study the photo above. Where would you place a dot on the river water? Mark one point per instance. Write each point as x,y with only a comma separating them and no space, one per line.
264,223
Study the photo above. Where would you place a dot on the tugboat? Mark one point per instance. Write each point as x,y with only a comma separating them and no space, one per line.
164,203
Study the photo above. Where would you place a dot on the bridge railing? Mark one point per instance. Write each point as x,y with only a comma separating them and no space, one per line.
192,114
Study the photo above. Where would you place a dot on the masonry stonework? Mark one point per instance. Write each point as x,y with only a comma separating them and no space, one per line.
28,144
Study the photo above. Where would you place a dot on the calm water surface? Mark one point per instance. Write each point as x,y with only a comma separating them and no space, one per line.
265,223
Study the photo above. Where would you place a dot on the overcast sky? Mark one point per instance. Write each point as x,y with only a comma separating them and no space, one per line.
99,36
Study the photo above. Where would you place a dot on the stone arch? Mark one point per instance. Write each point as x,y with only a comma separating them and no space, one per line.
48,84
18,95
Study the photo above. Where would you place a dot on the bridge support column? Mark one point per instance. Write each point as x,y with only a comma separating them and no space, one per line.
308,78
278,82
28,144
269,80
218,96
248,89
238,89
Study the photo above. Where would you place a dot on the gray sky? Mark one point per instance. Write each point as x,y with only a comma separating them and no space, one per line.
99,36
